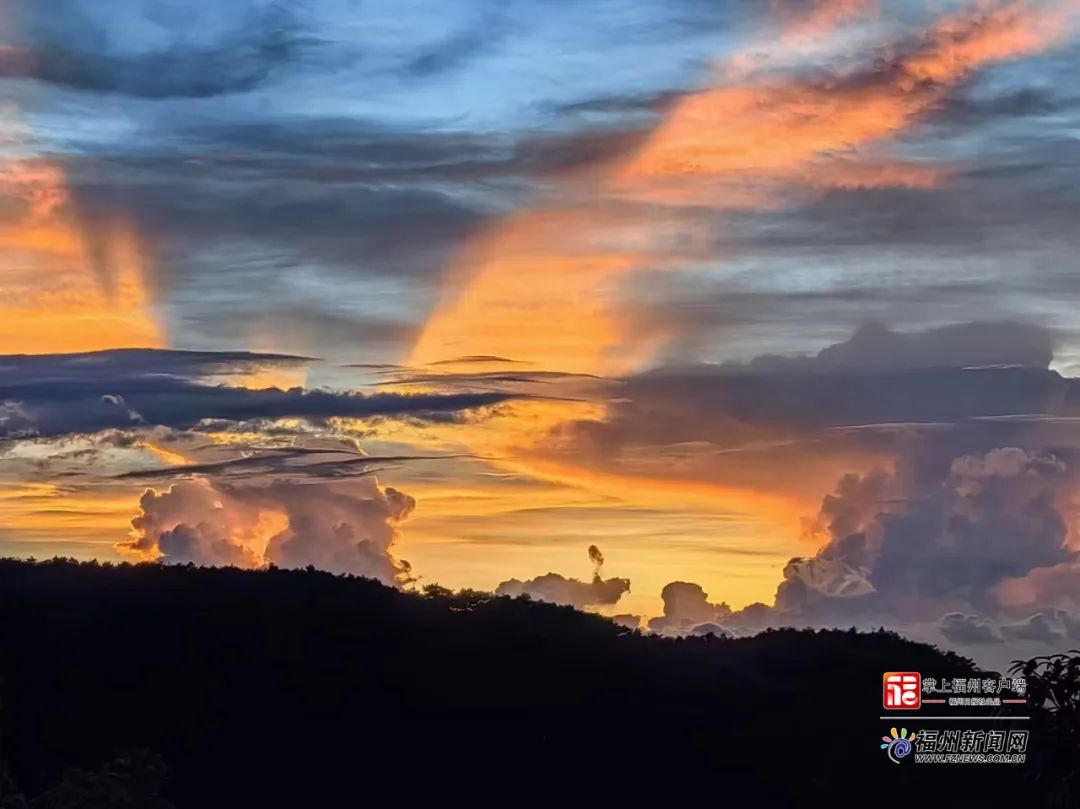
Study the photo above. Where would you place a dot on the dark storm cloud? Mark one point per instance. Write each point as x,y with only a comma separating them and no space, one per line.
27,373
51,395
947,375
876,349
700,314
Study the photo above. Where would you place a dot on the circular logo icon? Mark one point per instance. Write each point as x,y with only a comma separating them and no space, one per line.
898,745
898,749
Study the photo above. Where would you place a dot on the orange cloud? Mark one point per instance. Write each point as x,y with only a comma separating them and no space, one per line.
782,130
537,286
544,284
165,455
960,44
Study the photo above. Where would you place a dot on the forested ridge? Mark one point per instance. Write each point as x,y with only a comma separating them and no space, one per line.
149,685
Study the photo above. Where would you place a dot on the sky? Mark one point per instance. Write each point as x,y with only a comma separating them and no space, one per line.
709,316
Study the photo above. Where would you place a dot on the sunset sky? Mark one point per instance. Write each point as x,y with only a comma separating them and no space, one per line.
777,298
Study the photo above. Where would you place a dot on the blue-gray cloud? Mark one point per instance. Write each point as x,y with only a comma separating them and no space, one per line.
973,376
336,156
151,50
58,394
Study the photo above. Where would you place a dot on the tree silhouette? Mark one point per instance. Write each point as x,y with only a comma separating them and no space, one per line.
1053,687
302,688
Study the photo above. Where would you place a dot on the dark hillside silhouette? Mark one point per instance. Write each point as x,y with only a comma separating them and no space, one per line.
306,689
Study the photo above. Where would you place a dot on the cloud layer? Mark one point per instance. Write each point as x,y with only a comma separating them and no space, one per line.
958,518
54,395
707,210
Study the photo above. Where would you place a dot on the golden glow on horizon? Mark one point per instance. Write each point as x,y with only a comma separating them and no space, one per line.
653,531
79,522
269,376
69,285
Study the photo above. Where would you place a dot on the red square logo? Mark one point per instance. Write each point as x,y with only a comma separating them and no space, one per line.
901,690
